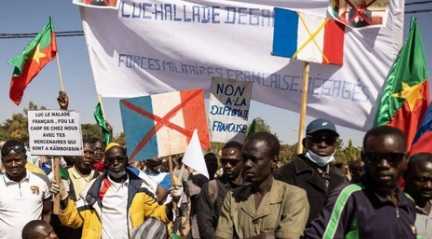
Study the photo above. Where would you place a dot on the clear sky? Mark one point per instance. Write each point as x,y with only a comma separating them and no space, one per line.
23,16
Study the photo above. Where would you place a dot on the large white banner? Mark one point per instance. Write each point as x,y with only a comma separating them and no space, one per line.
153,46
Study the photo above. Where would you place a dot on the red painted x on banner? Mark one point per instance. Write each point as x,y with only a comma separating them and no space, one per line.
161,121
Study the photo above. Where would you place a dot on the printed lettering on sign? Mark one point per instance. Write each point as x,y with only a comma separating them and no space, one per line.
229,109
55,132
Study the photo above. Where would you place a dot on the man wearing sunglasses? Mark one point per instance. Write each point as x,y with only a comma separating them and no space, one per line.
312,170
213,193
375,208
114,204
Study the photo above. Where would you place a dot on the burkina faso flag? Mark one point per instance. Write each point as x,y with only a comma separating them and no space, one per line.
405,94
41,50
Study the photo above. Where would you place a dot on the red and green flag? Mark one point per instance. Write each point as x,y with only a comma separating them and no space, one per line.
39,52
404,99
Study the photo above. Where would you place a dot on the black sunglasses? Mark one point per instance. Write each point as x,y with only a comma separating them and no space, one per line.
392,158
117,158
329,140
233,162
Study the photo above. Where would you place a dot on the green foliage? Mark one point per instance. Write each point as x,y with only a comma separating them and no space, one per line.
91,131
343,153
3,134
120,139
260,125
16,127
348,153
287,152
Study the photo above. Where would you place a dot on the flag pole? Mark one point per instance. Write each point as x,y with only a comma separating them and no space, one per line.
57,179
56,199
59,70
101,104
303,107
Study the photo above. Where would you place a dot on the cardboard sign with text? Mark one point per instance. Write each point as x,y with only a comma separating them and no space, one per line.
229,109
54,132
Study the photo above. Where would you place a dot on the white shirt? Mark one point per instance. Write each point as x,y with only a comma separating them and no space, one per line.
114,211
21,202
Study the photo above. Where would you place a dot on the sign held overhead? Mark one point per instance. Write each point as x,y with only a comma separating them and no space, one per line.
55,133
229,109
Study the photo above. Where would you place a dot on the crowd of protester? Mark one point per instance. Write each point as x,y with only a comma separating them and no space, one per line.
386,193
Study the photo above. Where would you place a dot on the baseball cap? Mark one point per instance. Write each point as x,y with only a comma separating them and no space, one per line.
320,124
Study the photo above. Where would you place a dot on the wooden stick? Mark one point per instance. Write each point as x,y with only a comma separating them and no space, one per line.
303,109
56,199
181,174
170,165
62,85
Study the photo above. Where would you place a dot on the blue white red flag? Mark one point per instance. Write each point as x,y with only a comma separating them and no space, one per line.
162,124
308,38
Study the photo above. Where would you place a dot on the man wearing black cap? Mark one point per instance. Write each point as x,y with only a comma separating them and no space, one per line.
312,170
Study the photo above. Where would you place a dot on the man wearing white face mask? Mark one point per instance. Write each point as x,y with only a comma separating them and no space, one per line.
312,170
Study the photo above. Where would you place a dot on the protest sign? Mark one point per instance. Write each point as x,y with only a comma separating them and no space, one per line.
157,46
229,109
54,132
162,124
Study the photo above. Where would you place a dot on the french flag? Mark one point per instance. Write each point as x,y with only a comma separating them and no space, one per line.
308,38
162,124
423,140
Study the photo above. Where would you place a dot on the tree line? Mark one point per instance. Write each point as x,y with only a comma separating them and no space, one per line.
16,127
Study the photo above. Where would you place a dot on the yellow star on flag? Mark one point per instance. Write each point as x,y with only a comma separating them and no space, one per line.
411,94
38,55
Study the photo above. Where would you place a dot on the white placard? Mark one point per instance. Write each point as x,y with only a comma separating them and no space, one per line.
55,132
229,109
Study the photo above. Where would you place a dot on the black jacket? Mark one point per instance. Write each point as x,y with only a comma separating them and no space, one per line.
365,214
303,173
210,203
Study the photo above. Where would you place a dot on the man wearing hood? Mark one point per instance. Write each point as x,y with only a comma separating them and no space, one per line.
312,170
